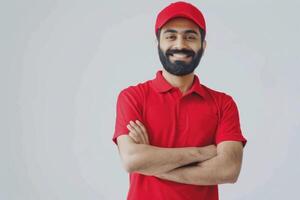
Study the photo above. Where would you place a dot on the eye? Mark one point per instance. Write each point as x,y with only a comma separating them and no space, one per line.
191,37
170,37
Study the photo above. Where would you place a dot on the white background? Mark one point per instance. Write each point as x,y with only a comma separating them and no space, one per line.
63,64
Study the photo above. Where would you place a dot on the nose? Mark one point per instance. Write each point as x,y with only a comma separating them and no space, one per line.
180,43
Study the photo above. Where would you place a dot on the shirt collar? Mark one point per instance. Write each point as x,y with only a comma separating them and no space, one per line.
162,85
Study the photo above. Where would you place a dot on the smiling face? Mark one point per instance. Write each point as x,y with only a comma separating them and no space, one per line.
180,46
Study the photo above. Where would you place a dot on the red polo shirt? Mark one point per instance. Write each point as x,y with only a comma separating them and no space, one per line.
198,118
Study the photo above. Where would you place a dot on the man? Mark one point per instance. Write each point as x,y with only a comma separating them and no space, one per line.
177,138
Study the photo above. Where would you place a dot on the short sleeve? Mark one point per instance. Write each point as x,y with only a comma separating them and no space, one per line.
229,124
128,108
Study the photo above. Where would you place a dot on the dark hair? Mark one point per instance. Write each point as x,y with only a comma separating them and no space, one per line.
202,33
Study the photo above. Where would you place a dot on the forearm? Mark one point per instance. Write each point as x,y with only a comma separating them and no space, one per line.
207,173
223,168
152,160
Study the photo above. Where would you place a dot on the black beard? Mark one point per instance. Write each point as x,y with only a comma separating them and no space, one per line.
179,68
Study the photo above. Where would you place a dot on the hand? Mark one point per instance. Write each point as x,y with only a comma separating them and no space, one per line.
138,132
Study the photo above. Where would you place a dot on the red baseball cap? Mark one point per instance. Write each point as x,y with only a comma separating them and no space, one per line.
180,9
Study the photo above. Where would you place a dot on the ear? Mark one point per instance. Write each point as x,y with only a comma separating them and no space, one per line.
204,44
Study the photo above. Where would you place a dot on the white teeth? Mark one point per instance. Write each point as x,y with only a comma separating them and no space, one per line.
178,55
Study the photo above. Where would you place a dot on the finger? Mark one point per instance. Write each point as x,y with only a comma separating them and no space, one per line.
132,130
135,134
144,130
141,126
135,126
138,131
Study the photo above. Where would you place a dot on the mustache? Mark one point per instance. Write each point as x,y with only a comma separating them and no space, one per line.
182,51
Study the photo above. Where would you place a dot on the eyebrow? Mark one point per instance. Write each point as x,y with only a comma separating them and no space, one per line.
174,31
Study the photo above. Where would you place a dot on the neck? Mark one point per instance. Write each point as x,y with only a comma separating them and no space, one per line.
183,83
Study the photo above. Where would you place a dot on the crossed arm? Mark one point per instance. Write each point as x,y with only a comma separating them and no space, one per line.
208,165
223,168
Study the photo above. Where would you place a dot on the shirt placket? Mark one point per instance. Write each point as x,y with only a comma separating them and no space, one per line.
181,117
